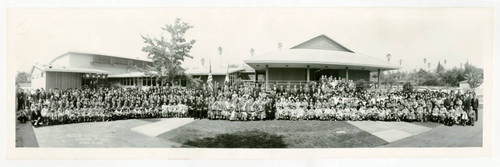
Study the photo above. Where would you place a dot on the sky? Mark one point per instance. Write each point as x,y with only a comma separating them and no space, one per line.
456,35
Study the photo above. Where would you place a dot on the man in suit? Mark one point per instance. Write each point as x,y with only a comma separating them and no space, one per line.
475,104
467,101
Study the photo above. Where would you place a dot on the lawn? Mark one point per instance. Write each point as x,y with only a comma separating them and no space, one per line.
272,134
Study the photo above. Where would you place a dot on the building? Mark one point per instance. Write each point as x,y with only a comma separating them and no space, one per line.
309,60
464,85
305,62
75,69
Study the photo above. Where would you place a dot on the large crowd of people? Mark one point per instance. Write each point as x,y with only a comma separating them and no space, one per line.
329,99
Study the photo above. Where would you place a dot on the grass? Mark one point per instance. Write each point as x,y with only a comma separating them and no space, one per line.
292,134
240,139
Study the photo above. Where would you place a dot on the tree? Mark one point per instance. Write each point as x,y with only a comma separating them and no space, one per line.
474,78
407,87
361,85
425,61
23,77
203,62
388,57
168,54
439,68
252,52
473,75
220,55
429,66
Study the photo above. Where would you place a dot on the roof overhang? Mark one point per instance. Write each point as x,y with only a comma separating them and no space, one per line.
315,58
48,68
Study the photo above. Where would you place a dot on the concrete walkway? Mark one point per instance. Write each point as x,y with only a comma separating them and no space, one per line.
98,135
165,125
390,131
446,136
25,136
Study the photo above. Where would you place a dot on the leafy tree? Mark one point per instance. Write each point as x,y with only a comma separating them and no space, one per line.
23,77
474,79
203,62
220,55
473,75
168,54
439,68
408,87
252,52
361,85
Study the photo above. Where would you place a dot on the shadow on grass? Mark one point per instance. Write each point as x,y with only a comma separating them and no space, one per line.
241,139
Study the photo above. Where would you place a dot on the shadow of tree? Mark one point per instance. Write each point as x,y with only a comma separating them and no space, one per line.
240,139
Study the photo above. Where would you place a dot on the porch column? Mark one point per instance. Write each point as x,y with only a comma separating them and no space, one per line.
346,73
256,76
267,75
308,74
378,79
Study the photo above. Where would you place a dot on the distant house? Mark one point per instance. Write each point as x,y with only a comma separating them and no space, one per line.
25,85
463,85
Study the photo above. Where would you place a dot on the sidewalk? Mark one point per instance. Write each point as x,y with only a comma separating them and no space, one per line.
25,136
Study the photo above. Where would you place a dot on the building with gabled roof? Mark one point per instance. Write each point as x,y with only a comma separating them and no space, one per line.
310,60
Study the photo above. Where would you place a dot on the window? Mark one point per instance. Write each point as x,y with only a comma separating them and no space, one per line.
120,61
102,59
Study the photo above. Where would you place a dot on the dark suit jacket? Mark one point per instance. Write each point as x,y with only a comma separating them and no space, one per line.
475,103
467,103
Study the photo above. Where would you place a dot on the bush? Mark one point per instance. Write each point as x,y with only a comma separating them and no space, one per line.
361,85
408,87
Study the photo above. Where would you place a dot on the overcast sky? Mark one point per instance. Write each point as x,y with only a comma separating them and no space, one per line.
409,34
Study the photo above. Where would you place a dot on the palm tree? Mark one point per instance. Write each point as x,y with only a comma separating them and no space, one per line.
220,57
425,61
389,57
252,52
280,46
203,62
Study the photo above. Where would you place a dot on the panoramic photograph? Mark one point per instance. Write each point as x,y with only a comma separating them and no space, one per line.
278,78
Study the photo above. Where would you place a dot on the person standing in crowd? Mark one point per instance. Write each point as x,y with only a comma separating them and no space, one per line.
475,105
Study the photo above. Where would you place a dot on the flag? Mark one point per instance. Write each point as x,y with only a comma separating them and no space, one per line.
209,80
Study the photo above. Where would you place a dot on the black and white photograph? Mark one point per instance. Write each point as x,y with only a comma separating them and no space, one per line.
249,78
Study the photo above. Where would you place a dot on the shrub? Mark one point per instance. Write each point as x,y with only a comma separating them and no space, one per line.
407,87
361,85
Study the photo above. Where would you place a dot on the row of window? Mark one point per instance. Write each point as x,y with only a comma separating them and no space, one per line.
120,61
146,81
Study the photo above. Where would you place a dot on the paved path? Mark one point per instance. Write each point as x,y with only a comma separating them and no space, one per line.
98,134
165,125
390,131
446,136
25,136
